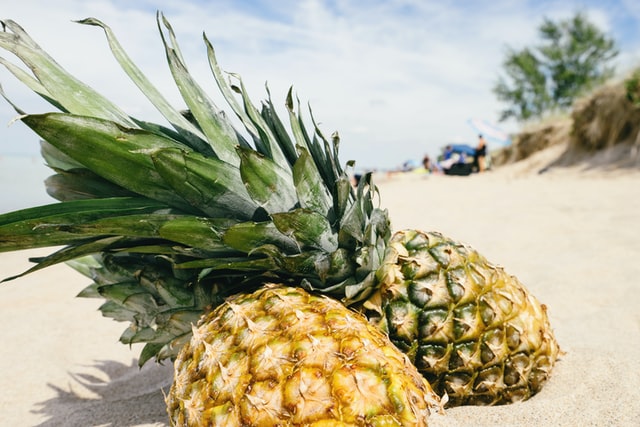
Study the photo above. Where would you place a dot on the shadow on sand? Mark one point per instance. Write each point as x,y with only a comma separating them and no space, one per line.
117,395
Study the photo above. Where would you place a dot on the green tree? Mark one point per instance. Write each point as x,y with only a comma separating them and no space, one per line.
573,57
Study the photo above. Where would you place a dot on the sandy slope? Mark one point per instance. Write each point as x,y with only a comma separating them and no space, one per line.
572,237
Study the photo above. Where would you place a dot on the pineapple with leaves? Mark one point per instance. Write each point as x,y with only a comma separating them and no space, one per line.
169,222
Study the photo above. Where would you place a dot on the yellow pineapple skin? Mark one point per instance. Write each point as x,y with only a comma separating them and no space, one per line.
284,357
474,332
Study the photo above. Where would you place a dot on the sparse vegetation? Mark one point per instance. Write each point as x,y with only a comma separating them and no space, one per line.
572,57
632,85
606,120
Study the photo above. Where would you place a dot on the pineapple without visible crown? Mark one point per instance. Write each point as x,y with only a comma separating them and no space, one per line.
282,356
472,330
169,222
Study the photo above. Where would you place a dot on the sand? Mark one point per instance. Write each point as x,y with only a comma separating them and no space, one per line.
570,235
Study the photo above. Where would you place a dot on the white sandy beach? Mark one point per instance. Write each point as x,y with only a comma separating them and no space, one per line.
570,235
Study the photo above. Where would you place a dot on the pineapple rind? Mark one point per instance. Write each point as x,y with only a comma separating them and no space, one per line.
481,337
309,361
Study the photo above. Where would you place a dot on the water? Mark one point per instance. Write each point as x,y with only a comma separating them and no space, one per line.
22,182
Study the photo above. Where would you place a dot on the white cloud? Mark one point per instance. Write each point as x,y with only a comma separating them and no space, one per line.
396,78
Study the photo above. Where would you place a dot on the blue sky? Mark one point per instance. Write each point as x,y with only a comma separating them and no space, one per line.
397,79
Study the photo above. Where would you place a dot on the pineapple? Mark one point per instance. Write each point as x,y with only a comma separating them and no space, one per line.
267,358
472,330
170,222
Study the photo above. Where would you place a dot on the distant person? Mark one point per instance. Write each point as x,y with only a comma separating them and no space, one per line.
448,159
479,158
448,152
426,163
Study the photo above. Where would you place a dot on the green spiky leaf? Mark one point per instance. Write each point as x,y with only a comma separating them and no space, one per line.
248,236
268,183
213,186
117,312
311,192
108,149
208,116
308,228
67,91
191,134
51,225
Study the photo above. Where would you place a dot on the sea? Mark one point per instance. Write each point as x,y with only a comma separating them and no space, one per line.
22,182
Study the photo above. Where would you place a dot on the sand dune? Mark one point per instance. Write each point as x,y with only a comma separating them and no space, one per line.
571,236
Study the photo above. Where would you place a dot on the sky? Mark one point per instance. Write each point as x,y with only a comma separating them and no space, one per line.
397,79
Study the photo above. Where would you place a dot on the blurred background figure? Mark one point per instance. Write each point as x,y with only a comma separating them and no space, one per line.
428,165
479,156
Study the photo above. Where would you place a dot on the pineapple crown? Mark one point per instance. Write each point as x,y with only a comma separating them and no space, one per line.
188,214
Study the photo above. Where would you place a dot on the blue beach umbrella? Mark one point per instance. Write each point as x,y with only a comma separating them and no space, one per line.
491,132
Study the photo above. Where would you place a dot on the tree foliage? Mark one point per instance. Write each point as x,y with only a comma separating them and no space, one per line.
632,86
574,56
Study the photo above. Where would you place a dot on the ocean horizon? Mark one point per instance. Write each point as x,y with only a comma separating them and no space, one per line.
22,182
